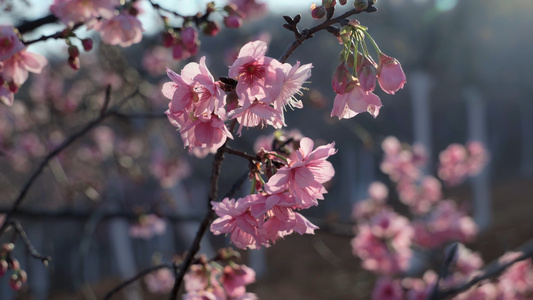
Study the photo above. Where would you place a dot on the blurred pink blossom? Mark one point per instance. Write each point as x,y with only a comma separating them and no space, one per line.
160,281
9,43
71,12
123,30
148,226
387,289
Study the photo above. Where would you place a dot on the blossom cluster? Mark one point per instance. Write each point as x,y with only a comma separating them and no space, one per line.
8,262
260,219
384,238
458,162
15,63
213,280
355,78
199,106
516,282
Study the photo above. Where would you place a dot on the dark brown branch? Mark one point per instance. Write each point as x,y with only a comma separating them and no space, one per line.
28,26
136,277
159,7
20,231
57,35
241,154
494,269
305,34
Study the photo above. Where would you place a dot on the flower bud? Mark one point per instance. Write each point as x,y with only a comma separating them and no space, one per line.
3,267
343,2
360,4
341,78
14,283
73,51
232,21
317,12
168,39
391,77
74,63
13,87
329,3
367,74
211,28
87,44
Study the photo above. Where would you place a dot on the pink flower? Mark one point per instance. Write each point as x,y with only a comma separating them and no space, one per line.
355,100
235,218
258,76
16,68
256,113
160,281
208,134
387,289
458,162
305,175
148,226
294,78
156,59
517,280
235,278
9,43
444,223
71,12
194,91
391,77
123,30
249,8
420,197
384,243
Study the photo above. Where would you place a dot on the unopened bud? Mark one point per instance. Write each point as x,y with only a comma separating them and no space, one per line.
14,283
360,4
8,247
232,21
74,63
15,265
14,88
317,12
343,2
211,28
329,3
168,39
73,51
3,267
87,44
210,7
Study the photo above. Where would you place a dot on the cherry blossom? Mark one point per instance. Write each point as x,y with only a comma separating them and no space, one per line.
71,12
123,30
391,77
9,43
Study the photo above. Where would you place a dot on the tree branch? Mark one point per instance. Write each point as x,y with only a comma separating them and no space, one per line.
305,34
20,231
18,201
492,270
241,154
28,26
136,277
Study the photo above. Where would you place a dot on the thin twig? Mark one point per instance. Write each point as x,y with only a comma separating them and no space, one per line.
57,35
241,154
159,7
135,278
20,231
305,34
18,201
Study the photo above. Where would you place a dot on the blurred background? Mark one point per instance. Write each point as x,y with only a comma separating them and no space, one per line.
468,66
